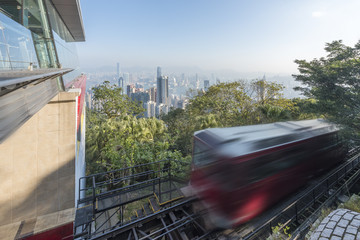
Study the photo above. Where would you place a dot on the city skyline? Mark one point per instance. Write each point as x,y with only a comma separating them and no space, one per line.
256,36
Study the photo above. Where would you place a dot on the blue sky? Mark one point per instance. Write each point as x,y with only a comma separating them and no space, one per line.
241,35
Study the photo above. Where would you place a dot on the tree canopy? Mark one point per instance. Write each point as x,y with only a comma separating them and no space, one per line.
111,102
334,81
117,138
228,104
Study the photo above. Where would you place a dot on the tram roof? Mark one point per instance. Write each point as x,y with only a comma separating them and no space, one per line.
295,130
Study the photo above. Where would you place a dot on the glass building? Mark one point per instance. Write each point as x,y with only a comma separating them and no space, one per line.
42,117
34,32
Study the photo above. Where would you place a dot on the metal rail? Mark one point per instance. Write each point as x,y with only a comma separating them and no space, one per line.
139,222
178,221
115,179
105,198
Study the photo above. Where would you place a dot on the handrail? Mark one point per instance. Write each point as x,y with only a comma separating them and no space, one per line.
122,169
127,187
309,191
127,168
302,225
83,181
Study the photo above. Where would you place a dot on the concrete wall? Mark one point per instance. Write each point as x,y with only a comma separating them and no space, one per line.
37,163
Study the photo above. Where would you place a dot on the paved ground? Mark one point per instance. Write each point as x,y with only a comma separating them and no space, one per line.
339,224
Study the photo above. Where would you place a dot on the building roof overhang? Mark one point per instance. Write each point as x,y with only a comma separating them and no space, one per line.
70,12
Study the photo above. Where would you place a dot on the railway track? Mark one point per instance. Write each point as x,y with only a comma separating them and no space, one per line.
303,208
298,212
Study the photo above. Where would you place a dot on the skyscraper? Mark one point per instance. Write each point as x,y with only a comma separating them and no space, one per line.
162,92
121,84
118,70
158,72
206,85
126,77
152,93
165,93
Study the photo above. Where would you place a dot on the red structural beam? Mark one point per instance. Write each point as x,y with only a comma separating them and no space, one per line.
79,82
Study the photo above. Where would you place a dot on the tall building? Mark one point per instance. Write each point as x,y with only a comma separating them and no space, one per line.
158,73
121,84
130,89
161,109
152,94
126,77
140,97
158,85
42,118
150,107
206,85
119,78
162,91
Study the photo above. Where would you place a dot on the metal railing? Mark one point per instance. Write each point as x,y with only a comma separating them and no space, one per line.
114,190
116,179
16,65
319,195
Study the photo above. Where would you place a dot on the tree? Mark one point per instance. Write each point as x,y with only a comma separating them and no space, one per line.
334,81
117,138
305,109
111,102
269,103
227,104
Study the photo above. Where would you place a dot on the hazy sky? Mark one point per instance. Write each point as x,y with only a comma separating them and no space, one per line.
242,35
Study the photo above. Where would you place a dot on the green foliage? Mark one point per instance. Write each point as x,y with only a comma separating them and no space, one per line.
334,81
227,101
305,109
112,103
116,138
280,232
226,105
353,204
126,141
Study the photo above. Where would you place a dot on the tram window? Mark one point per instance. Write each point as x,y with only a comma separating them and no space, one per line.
272,164
202,154
270,142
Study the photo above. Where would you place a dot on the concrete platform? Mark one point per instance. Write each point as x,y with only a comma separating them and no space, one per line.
37,225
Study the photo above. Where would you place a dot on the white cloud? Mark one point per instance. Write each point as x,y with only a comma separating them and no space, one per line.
317,14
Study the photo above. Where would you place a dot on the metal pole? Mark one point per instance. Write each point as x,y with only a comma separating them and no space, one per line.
94,196
160,190
313,193
169,176
153,186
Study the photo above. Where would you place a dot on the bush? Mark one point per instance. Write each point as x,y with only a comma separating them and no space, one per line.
280,232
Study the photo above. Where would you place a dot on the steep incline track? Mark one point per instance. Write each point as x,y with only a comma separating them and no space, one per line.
178,220
301,209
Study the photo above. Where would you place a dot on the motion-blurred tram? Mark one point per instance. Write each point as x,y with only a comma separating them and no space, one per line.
238,172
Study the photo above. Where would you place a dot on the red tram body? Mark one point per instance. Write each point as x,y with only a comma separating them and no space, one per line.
238,172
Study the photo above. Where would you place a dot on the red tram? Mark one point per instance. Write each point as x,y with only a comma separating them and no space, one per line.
238,172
